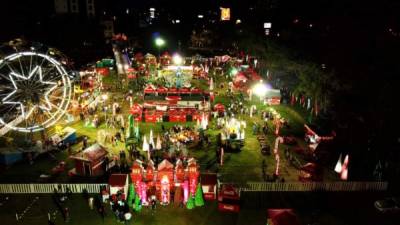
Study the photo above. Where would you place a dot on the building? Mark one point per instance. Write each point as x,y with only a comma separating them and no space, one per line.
86,7
91,161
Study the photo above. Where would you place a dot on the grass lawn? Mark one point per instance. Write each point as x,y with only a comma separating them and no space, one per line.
240,167
81,214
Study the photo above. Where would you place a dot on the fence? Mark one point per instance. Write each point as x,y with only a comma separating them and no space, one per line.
308,186
314,186
48,188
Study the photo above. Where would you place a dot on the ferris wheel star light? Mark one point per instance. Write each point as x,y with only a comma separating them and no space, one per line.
35,94
36,71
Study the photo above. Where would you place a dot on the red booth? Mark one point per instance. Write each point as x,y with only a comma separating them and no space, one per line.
209,185
228,199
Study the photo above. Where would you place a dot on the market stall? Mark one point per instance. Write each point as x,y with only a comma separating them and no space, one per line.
91,161
119,184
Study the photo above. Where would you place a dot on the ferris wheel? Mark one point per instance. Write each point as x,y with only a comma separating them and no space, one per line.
35,91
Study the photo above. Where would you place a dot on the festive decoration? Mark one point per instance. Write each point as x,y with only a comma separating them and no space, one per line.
199,200
138,205
31,110
225,13
145,146
190,202
338,167
278,140
158,144
131,195
345,171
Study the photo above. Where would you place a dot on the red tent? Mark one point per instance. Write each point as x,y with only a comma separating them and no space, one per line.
283,217
162,90
136,109
219,107
149,89
184,90
195,90
173,90
103,71
131,73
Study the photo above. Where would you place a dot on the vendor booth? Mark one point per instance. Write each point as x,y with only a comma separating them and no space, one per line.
209,185
119,184
228,199
91,161
65,136
273,97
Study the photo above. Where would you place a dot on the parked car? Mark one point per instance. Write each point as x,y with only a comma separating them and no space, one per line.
388,205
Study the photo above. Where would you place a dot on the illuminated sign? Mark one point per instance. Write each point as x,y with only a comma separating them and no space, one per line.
267,25
225,13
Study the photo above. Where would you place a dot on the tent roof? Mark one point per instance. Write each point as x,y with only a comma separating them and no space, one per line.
92,153
283,217
165,164
273,93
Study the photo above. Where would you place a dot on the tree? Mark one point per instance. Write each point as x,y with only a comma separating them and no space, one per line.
199,200
190,202
138,205
131,195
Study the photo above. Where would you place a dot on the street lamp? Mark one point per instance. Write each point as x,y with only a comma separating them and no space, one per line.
261,89
159,43
177,59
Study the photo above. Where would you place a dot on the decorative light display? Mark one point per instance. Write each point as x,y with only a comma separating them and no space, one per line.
35,92
225,13
338,167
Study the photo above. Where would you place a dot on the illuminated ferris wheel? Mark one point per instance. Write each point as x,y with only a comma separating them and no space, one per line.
35,91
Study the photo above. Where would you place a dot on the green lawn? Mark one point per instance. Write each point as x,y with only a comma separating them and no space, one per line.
239,167
81,214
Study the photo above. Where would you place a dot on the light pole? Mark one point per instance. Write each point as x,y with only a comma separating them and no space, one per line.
159,43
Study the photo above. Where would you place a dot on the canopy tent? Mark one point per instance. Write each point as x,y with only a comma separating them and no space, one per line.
136,109
219,107
165,164
283,217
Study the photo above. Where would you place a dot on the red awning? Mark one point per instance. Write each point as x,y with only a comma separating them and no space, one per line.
173,98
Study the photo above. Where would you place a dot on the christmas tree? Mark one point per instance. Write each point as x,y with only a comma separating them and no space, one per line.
138,205
190,202
199,200
131,195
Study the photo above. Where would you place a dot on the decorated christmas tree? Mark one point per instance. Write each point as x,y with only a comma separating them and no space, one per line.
198,199
131,195
190,202
138,205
